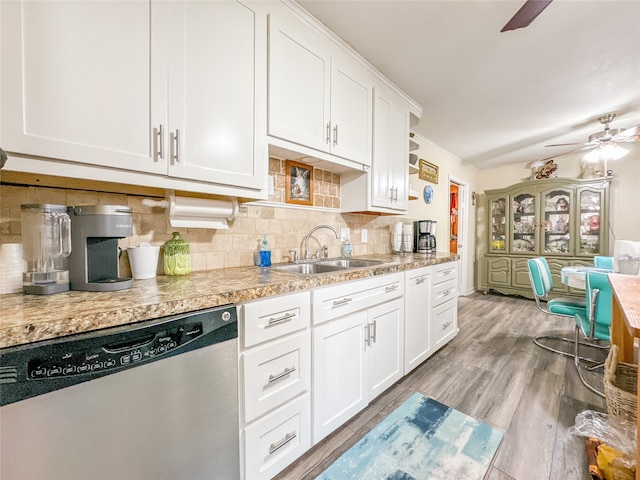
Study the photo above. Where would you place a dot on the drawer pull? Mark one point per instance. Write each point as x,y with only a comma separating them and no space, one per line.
446,324
278,445
284,318
420,280
344,301
444,273
374,330
391,288
445,293
284,373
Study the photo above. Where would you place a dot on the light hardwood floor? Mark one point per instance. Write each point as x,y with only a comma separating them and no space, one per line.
494,372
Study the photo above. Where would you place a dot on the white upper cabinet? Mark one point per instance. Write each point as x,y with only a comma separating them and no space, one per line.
169,89
211,133
76,82
319,97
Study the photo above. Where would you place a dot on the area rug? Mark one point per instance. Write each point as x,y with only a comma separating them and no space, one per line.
420,440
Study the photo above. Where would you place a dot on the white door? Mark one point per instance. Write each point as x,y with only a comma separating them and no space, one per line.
351,110
77,82
299,76
398,166
417,301
386,357
212,93
381,191
463,223
339,366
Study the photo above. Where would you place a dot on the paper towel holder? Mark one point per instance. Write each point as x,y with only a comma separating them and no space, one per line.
194,212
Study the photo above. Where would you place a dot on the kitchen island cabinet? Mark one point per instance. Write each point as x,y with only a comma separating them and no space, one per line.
133,92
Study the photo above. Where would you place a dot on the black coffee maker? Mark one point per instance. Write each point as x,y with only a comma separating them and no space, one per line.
421,236
95,230
431,229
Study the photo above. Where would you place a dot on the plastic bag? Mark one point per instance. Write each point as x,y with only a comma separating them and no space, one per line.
616,432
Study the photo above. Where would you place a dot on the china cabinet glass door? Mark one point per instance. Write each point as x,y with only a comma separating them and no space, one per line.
556,205
498,233
524,223
590,203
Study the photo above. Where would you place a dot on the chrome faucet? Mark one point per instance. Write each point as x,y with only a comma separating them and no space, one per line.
307,254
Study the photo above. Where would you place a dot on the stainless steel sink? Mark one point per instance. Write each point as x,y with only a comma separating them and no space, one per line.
351,262
325,266
307,268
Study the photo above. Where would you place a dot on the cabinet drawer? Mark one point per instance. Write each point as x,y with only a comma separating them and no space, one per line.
444,272
338,300
275,373
270,318
443,292
275,441
444,325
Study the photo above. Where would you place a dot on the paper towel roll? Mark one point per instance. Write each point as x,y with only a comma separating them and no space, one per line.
197,212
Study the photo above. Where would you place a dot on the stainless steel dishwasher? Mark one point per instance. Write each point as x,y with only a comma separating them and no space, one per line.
152,400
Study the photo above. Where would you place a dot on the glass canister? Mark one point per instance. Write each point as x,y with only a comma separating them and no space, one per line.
46,238
177,256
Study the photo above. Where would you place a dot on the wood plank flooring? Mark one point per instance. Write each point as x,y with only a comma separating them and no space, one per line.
494,372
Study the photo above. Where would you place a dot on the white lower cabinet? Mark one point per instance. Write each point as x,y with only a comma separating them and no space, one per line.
275,381
417,319
444,304
357,343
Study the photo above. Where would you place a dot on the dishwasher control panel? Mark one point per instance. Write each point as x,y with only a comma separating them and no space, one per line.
115,354
41,367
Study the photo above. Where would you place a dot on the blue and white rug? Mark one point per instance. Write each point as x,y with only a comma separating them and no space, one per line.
420,440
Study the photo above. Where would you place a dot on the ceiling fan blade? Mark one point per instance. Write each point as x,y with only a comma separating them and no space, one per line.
628,135
566,144
527,14
590,147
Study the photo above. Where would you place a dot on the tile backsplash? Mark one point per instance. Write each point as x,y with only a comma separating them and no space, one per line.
284,225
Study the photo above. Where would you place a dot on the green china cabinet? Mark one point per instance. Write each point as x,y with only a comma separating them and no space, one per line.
564,220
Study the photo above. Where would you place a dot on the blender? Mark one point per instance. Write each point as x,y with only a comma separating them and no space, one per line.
46,239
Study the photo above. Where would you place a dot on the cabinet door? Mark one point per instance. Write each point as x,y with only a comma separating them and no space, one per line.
299,76
386,340
498,272
351,110
212,93
417,304
389,171
339,366
557,208
590,207
76,82
523,218
497,210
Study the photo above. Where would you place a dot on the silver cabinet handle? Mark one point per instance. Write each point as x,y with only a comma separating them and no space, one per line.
445,293
420,280
367,335
444,273
161,142
278,445
284,373
344,301
374,329
284,318
335,135
446,324
391,288
328,139
176,153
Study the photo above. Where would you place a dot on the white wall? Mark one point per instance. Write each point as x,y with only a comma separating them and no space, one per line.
449,166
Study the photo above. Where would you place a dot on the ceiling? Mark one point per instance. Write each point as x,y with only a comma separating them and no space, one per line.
494,98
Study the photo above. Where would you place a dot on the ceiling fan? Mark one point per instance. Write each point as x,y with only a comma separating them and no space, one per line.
527,14
606,141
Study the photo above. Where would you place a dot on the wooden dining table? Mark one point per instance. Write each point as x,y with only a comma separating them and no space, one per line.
625,327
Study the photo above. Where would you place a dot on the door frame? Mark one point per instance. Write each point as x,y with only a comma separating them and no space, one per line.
463,231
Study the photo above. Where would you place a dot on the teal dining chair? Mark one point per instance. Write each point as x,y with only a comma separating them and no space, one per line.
542,283
595,322
601,261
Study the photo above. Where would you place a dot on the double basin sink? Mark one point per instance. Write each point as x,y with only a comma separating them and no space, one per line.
326,266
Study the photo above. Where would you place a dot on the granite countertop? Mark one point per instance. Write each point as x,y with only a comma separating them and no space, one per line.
30,318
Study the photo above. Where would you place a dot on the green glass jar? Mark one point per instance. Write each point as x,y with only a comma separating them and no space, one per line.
177,256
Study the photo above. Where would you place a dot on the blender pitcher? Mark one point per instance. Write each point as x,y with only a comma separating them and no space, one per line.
46,239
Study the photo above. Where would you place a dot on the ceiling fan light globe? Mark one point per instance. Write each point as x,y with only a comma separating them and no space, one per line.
593,156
